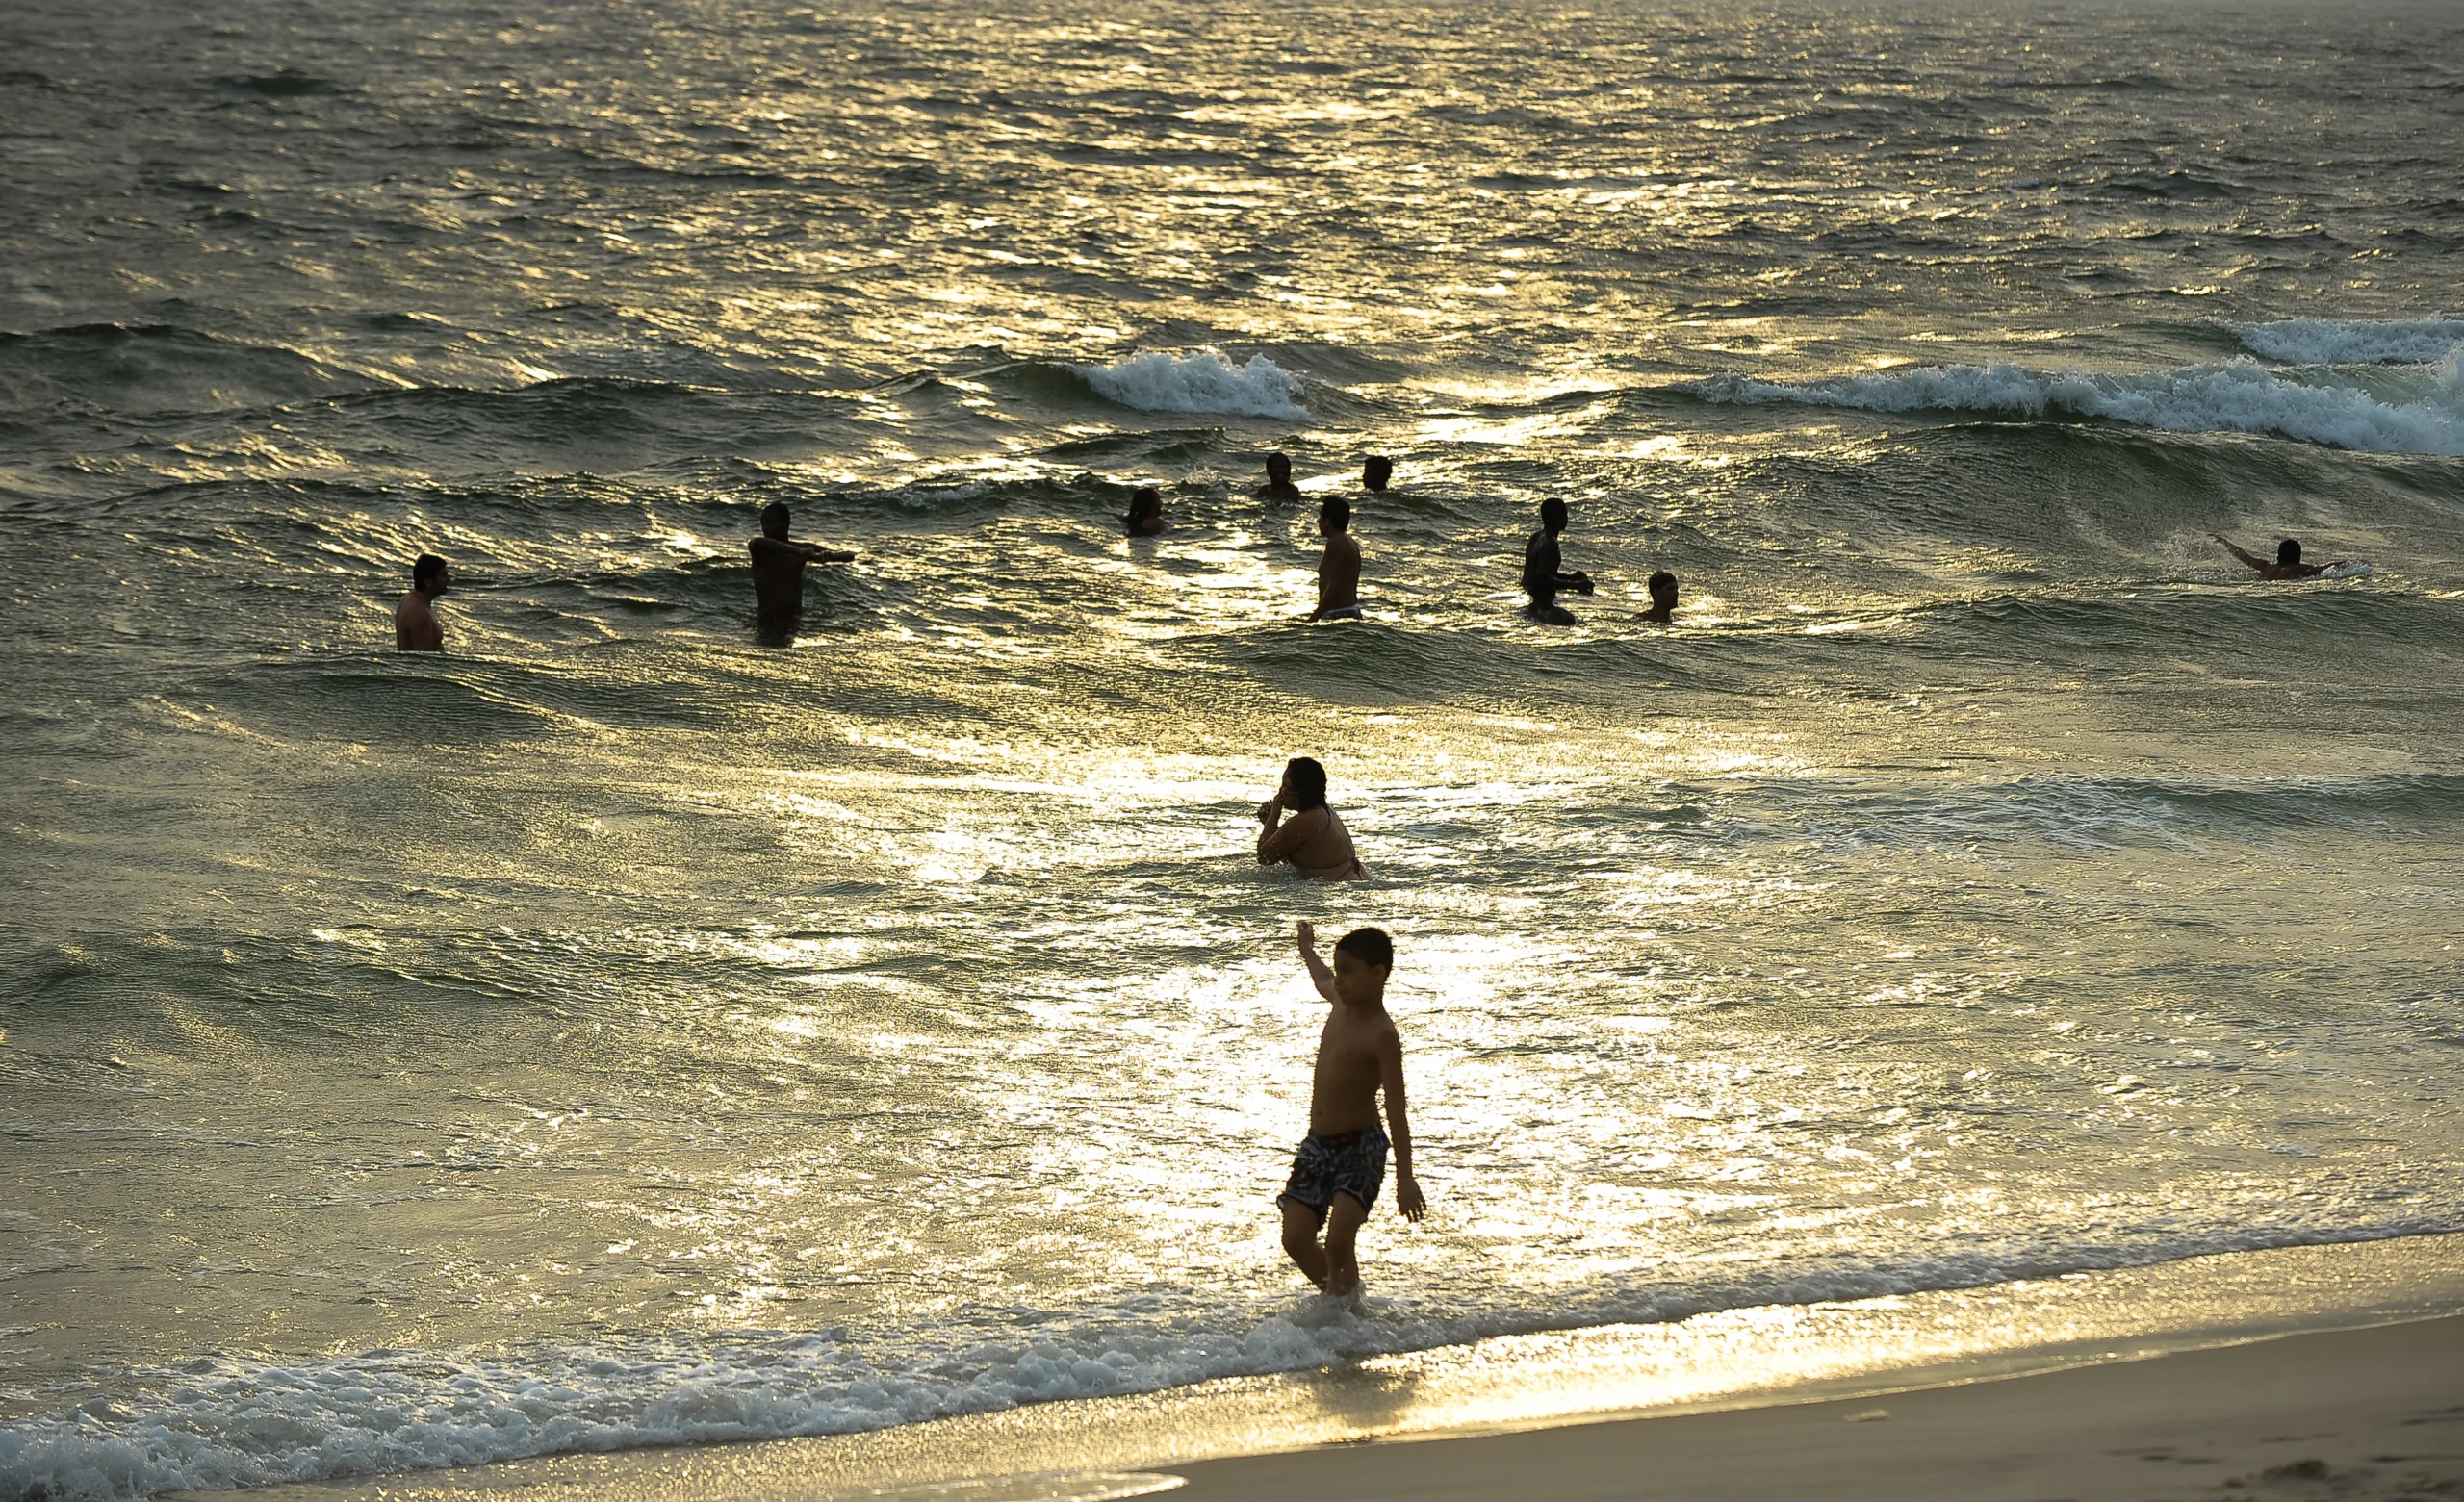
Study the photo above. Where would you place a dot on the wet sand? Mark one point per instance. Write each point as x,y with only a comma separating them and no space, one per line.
2352,1414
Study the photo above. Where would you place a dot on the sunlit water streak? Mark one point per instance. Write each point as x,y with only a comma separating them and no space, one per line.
624,1029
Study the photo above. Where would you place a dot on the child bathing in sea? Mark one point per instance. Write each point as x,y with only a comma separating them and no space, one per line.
1342,1161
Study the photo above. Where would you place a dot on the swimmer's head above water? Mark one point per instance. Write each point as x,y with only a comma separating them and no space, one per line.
1304,784
1554,514
1663,591
1372,955
1146,511
2288,552
430,576
1376,472
774,521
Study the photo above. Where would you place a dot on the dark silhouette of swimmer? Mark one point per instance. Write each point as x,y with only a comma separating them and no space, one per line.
1541,577
1339,566
1376,472
2288,563
1278,485
778,569
416,629
1313,840
1145,515
1663,588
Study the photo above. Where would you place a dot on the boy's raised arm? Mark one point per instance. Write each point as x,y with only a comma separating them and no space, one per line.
1306,936
1398,1126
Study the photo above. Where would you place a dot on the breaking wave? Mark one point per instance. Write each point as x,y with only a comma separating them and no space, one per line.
2416,414
2354,342
1202,380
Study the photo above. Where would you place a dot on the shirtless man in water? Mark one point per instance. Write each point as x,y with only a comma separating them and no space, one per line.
2288,563
1278,485
1342,1161
1543,570
1339,566
416,629
1313,840
779,570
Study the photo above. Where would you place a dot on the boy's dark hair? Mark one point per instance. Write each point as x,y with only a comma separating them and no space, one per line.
1336,513
1377,471
1664,576
2288,551
1368,946
1308,782
1144,502
1552,513
427,568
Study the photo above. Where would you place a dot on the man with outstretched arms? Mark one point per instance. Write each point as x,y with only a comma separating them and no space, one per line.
2288,563
779,570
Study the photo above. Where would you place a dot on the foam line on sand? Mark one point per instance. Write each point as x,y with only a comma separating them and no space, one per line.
1783,1382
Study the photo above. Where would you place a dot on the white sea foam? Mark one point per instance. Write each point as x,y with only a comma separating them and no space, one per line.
1202,380
224,1421
2235,396
2354,342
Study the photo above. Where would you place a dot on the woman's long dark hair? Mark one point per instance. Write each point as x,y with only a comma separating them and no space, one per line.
1308,782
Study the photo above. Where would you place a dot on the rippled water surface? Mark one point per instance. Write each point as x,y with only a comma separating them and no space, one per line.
628,1029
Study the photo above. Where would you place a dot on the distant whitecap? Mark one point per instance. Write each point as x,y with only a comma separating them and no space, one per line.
2231,397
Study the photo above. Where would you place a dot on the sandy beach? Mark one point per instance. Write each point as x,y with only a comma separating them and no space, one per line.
2356,1414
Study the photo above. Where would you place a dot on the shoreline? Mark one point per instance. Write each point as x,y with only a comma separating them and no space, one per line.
1791,1357
2357,1415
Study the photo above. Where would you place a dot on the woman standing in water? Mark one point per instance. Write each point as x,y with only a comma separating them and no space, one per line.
1313,841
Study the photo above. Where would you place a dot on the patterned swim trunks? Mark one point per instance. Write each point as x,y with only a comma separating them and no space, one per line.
1352,1162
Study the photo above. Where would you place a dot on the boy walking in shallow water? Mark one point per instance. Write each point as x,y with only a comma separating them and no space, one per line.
1340,1163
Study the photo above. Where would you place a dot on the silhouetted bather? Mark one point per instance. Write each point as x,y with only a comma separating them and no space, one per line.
1663,588
1339,566
416,629
1145,515
2288,563
1375,472
1541,577
1278,485
778,569
1313,840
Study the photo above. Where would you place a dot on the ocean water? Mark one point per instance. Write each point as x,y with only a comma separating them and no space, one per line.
625,1030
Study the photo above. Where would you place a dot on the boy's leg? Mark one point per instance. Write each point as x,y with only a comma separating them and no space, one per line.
1301,1238
1342,1229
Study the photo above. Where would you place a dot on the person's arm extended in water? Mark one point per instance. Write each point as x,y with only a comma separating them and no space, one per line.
811,551
1399,1127
2260,564
1305,935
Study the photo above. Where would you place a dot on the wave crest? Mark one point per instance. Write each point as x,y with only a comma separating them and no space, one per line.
2354,342
1202,380
2233,396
